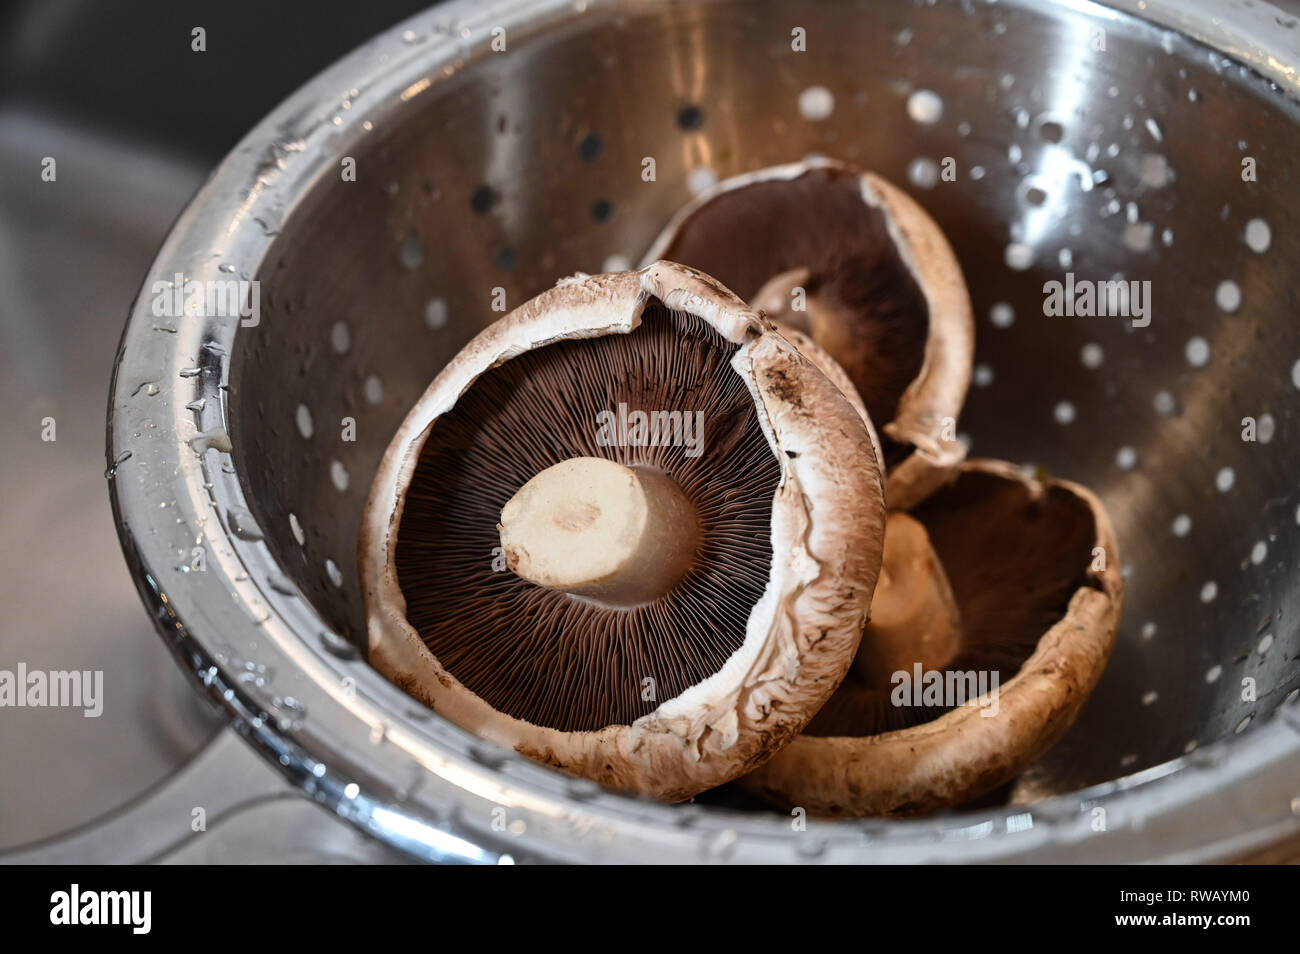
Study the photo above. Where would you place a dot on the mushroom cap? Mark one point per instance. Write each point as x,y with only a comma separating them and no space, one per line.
826,538
987,528
854,240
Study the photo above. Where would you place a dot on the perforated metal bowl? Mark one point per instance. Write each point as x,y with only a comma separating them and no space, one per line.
482,172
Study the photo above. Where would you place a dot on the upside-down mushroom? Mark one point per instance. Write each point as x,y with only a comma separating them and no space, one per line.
852,261
994,616
658,615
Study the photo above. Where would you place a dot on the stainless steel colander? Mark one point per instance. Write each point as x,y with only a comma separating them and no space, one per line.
500,146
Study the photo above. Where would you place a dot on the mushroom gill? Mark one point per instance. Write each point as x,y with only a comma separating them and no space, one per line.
534,652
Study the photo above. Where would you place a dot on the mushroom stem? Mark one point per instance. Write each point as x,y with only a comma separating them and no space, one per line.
828,323
914,617
593,528
776,298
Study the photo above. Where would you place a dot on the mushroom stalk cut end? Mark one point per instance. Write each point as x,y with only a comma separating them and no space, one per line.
596,529
914,615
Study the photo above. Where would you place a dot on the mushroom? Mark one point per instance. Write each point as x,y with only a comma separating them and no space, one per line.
659,616
852,261
994,616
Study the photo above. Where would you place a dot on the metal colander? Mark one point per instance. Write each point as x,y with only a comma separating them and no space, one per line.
499,146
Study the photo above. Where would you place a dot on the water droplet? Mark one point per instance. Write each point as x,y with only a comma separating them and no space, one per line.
1149,630
1154,170
816,103
282,584
1209,591
339,476
435,313
1258,552
1137,236
1092,356
1224,479
303,420
1258,236
1064,413
925,107
340,337
923,172
982,375
1182,525
334,573
1265,644
1197,352
373,389
338,646
111,472
242,524
411,253
1165,403
1228,295
1002,315
1126,458
1018,256
215,439
701,179
1213,673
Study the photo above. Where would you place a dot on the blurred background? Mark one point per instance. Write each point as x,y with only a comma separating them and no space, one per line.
135,120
